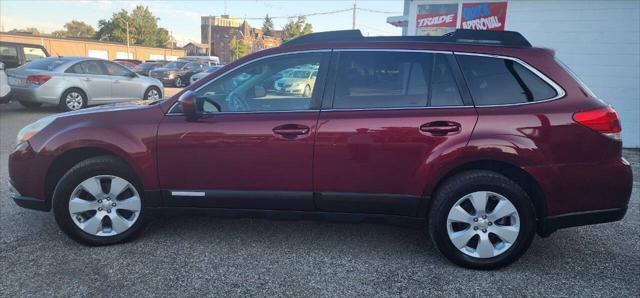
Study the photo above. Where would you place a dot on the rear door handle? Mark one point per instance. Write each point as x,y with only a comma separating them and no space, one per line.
441,128
291,130
86,79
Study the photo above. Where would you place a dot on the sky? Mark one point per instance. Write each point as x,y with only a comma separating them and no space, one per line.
182,18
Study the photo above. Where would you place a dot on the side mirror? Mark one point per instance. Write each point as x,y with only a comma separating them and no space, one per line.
259,91
187,102
132,75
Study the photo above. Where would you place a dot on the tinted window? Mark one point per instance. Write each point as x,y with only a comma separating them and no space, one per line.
394,80
264,85
93,67
8,53
495,81
115,69
175,64
193,66
31,53
44,64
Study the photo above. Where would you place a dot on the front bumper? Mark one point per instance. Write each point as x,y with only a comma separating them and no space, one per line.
26,202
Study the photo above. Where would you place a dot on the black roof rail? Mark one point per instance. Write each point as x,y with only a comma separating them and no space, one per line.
460,36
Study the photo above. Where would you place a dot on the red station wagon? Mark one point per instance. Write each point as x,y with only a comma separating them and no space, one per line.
477,137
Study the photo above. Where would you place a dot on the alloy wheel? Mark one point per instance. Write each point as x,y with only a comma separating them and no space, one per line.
483,224
153,94
104,205
74,101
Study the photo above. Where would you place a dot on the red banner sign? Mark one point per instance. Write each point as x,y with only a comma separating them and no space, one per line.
436,20
484,16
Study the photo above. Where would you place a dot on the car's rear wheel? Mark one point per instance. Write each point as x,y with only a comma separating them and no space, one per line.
153,93
99,202
30,105
73,100
178,82
481,220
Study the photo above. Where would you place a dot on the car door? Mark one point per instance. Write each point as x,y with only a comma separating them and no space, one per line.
91,75
125,85
384,119
251,147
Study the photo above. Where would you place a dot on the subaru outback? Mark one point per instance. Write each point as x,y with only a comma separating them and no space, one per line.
477,137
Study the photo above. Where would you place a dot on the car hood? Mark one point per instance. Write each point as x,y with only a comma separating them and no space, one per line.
290,80
121,106
162,69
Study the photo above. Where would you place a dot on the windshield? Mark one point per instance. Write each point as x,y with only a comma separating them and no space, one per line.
175,64
48,64
300,74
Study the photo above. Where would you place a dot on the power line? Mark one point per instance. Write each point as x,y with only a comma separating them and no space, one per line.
326,13
304,15
378,11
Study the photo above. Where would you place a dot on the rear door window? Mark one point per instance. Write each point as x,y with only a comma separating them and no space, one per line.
498,81
92,67
380,79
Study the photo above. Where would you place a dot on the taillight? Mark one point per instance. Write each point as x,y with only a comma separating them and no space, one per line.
603,120
37,79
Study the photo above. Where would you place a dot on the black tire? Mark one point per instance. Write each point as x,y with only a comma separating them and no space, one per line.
146,93
63,104
101,165
178,82
468,182
30,105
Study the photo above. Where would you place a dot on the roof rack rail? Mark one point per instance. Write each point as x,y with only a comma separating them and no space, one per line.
460,36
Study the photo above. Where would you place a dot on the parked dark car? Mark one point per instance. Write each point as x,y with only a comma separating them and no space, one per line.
177,73
144,68
477,137
15,54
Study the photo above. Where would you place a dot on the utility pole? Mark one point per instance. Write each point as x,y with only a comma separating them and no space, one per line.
209,35
353,25
128,51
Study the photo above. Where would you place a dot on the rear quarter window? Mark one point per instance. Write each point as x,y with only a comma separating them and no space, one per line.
499,81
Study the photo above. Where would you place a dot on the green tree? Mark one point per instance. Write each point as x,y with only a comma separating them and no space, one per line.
59,33
79,29
143,28
238,49
295,28
267,26
28,30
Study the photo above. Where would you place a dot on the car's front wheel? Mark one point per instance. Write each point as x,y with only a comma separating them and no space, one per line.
153,93
99,202
481,220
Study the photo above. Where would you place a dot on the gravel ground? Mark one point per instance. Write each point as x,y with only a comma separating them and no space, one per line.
189,256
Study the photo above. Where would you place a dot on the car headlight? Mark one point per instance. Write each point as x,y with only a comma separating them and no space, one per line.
32,129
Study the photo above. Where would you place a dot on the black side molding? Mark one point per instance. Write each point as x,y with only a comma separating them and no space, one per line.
553,223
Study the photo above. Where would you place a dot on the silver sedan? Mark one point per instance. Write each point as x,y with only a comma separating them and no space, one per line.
73,83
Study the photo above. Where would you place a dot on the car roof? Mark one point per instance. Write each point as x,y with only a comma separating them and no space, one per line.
21,44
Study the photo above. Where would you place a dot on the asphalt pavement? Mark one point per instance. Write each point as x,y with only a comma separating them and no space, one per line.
199,255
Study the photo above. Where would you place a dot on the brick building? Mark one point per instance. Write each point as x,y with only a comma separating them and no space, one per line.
220,30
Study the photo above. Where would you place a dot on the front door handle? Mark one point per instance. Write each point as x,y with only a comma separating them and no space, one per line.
291,131
441,128
87,79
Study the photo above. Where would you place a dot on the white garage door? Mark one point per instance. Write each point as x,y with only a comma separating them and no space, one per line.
599,40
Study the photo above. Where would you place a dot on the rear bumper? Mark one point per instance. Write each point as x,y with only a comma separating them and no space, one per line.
551,224
39,94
